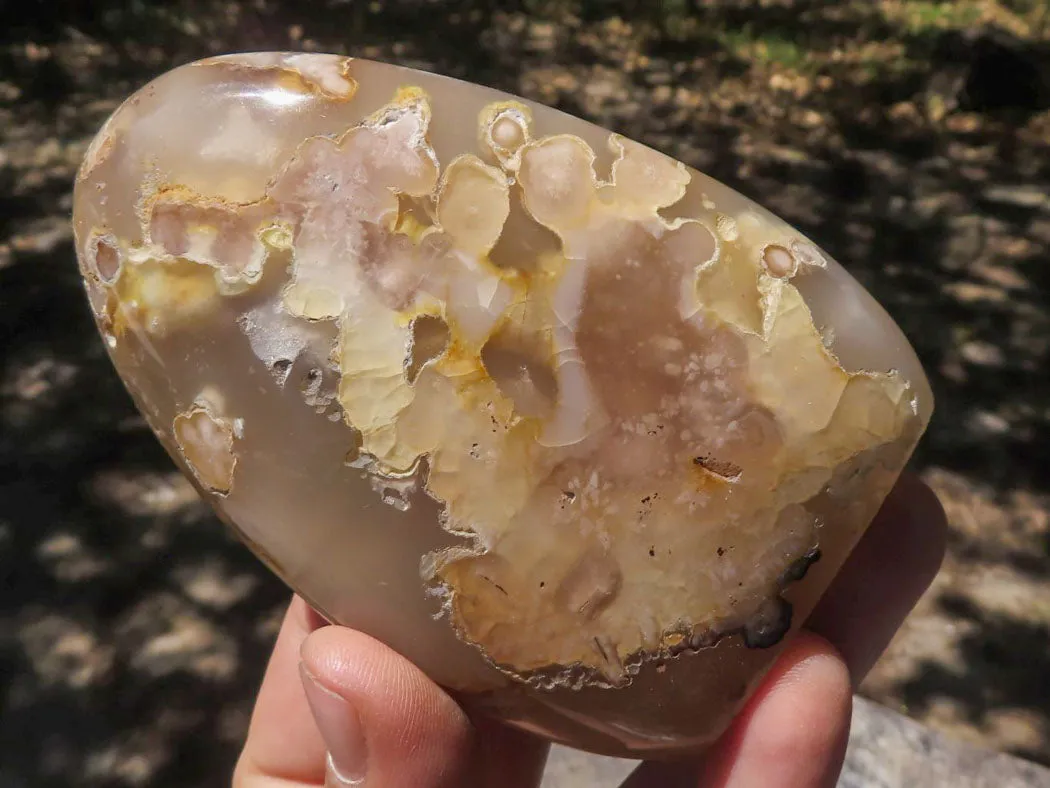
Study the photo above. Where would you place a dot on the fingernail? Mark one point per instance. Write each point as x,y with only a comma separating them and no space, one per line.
341,729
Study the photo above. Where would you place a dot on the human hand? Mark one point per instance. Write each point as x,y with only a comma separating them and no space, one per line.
338,708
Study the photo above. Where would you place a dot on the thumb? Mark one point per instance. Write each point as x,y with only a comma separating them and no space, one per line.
384,723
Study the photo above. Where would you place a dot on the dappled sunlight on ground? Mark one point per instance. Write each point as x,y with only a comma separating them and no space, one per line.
917,151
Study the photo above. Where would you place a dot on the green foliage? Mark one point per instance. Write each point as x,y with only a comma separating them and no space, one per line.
672,8
921,16
765,47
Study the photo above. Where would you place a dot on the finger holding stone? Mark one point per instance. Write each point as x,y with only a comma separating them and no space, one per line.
386,724
885,575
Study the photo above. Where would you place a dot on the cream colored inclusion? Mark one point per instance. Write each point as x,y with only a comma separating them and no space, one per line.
662,491
206,442
327,74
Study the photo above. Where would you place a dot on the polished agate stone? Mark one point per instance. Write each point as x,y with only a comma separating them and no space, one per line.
578,430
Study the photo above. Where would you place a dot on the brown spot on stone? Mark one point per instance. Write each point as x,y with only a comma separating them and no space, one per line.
430,338
721,468
206,443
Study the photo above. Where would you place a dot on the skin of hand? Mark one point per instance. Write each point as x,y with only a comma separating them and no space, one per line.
338,708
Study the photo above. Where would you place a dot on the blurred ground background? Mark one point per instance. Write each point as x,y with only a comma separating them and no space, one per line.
911,139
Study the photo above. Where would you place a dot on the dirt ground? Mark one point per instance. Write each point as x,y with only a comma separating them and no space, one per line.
912,139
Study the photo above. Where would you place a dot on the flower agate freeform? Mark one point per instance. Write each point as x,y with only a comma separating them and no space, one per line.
580,431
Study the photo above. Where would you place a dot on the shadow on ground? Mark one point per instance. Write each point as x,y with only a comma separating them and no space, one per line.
134,629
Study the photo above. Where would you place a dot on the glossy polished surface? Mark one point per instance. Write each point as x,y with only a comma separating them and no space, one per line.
563,421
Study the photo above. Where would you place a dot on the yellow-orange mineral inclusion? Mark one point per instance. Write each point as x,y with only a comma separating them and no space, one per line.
579,430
